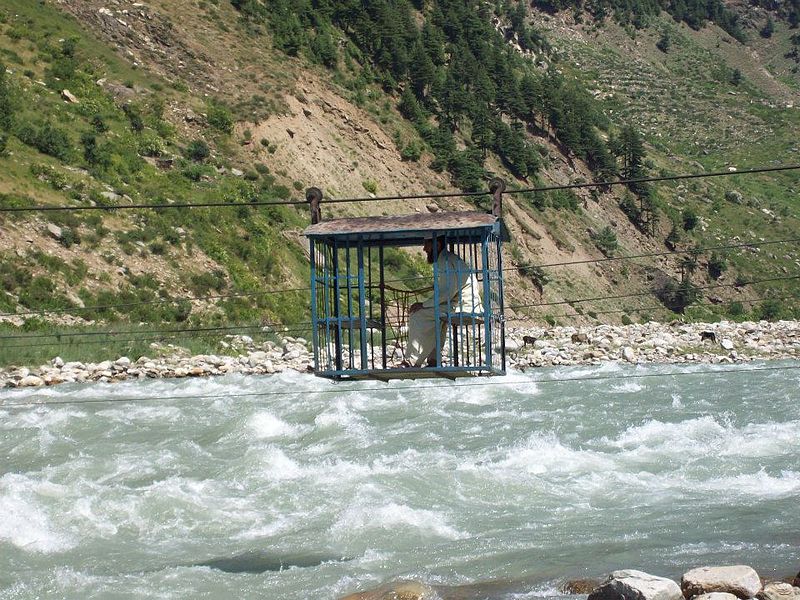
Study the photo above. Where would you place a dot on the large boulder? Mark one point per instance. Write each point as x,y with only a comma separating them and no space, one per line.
739,580
636,585
778,590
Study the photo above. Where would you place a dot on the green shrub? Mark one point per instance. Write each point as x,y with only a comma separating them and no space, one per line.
690,219
150,144
197,150
370,185
47,138
98,123
219,117
736,309
8,105
606,240
771,310
193,172
134,114
411,151
40,294
678,296
716,266
201,284
69,237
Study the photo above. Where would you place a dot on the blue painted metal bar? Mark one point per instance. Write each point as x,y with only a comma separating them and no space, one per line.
436,309
487,304
337,308
362,306
314,312
350,332
501,306
383,307
326,303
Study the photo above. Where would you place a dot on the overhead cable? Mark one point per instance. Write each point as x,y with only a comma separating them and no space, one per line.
45,208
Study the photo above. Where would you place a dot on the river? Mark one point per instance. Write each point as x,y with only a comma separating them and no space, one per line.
291,487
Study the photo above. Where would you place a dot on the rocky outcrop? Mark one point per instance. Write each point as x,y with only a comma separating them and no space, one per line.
636,585
739,580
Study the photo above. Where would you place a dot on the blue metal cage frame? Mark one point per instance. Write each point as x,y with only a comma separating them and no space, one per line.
360,319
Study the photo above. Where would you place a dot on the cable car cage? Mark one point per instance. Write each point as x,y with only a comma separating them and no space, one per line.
368,327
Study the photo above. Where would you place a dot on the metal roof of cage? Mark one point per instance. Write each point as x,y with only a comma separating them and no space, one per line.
406,229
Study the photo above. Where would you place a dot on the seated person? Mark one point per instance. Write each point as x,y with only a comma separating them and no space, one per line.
458,289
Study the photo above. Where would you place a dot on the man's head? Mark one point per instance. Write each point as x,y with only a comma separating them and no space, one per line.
428,247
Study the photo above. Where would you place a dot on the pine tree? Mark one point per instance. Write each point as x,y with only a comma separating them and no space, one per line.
421,70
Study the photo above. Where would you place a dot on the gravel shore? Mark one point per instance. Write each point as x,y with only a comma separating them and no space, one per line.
526,347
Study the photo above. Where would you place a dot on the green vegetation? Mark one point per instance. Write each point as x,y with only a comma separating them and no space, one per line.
695,13
476,102
111,138
606,241
457,79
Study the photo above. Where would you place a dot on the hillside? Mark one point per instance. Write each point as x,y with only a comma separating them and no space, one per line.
116,102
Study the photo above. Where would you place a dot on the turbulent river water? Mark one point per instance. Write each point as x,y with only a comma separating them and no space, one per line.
292,487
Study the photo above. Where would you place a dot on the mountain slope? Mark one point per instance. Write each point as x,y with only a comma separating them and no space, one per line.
189,101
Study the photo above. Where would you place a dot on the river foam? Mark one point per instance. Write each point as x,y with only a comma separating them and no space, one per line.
560,472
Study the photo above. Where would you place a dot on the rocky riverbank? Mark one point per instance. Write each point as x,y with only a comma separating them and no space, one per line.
736,582
526,347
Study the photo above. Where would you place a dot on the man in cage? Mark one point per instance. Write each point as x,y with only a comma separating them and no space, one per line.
458,289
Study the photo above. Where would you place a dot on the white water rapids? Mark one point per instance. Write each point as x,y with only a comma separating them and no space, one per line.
292,487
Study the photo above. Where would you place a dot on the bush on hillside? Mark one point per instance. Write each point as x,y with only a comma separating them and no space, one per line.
47,138
219,117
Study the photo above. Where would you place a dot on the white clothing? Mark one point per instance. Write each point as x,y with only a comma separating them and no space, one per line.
459,291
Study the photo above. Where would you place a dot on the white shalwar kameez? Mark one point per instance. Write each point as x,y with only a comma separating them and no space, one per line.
458,289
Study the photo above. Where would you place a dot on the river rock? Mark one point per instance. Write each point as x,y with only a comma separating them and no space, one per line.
778,590
580,586
628,354
123,362
716,596
740,580
58,362
31,381
636,585
403,590
727,344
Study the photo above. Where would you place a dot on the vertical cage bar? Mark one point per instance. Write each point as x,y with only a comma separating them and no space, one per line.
383,306
487,304
436,308
337,307
371,309
314,315
501,303
362,305
349,302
